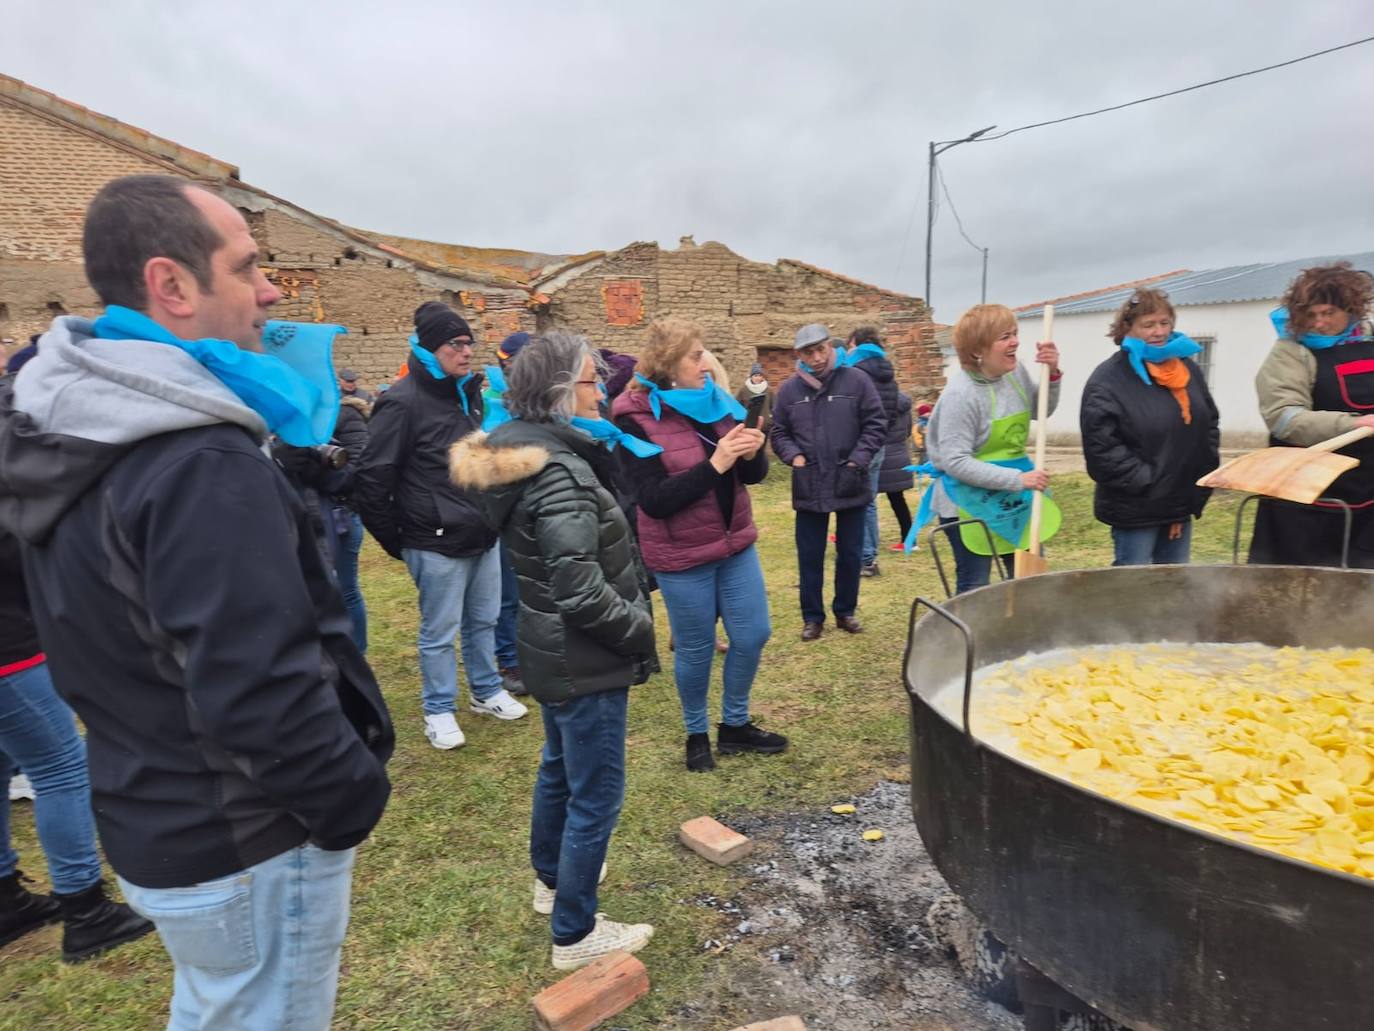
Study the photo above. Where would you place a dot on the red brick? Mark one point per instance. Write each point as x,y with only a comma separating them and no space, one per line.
776,1024
714,841
594,994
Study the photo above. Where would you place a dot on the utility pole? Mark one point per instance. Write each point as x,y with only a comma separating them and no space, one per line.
936,149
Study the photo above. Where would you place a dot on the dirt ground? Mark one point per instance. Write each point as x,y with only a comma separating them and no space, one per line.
850,935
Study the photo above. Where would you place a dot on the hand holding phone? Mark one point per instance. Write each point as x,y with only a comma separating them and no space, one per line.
755,411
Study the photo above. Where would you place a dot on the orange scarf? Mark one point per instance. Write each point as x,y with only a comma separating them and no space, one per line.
1173,376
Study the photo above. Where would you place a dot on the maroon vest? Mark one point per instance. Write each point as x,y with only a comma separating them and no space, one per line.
698,533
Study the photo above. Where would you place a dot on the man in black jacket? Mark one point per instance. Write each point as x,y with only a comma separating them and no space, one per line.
236,737
417,515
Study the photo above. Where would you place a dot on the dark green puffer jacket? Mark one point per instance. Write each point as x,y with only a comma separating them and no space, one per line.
585,623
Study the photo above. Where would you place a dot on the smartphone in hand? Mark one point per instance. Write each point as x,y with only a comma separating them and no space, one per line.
755,411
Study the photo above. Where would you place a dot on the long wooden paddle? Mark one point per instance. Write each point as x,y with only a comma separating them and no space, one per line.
1030,562
1298,474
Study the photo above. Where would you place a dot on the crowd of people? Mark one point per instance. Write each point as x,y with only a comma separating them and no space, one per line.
167,484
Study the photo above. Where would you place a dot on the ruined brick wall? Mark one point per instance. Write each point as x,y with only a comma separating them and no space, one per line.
748,311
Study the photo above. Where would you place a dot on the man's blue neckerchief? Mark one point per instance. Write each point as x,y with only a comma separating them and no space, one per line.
612,435
859,353
707,404
291,384
436,370
1139,352
1312,341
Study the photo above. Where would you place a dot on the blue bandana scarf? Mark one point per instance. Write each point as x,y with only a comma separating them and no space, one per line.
707,404
859,353
1312,341
433,367
494,411
612,435
291,384
1006,512
1177,346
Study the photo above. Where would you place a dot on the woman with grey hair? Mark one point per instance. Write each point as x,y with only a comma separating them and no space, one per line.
585,631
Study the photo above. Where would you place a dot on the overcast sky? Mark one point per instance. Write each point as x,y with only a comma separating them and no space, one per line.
793,129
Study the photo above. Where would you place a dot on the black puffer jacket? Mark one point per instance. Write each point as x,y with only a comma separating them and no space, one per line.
1143,457
879,370
401,487
897,452
585,623
18,635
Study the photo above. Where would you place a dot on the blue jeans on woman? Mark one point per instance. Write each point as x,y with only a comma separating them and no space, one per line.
349,532
577,798
259,948
731,589
972,570
1152,545
38,734
871,542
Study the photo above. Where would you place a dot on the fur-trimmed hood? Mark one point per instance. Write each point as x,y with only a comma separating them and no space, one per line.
476,463
363,406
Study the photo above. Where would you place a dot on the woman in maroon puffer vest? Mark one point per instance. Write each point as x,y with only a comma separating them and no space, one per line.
697,533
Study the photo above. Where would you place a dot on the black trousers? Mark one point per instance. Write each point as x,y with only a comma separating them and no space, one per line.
812,530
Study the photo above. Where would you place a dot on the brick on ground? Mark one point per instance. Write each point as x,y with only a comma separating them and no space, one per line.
714,841
597,992
776,1024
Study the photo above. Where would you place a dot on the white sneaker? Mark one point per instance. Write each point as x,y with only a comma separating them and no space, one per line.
501,705
544,895
21,789
443,731
606,937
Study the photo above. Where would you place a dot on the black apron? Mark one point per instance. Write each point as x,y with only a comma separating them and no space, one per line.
1312,535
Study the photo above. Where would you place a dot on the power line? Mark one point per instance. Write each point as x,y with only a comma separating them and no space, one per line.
1174,93
940,174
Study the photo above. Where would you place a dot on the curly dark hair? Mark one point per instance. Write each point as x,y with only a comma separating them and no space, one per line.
1138,305
1340,285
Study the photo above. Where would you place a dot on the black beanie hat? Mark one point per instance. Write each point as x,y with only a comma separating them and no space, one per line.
436,324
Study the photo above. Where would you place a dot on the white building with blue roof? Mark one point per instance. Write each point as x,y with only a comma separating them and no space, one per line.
1226,310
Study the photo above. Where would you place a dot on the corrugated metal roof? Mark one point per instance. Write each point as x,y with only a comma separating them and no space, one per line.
1233,284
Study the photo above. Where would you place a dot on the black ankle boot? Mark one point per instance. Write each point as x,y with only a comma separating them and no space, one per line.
21,911
748,738
93,924
699,758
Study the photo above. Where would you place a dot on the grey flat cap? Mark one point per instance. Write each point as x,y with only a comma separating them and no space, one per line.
814,333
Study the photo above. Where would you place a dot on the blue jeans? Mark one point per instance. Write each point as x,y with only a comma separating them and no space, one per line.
257,949
731,588
350,542
870,550
1150,545
577,800
456,594
506,655
811,532
972,570
38,734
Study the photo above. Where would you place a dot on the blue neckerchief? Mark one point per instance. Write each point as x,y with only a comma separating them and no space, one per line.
612,435
1139,352
859,353
1312,341
291,384
707,404
1006,512
496,378
494,411
436,370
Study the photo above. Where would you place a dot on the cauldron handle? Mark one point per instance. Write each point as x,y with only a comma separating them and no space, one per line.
964,629
949,528
1346,511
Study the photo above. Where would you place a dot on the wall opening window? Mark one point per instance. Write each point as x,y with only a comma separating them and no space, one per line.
1204,359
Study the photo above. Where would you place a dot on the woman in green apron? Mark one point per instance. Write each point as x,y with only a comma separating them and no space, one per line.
976,443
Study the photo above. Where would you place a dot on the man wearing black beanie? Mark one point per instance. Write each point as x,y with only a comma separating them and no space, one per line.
417,515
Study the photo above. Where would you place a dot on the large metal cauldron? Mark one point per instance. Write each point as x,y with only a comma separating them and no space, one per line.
1159,926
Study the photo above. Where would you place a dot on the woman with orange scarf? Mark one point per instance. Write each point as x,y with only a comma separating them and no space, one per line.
1150,429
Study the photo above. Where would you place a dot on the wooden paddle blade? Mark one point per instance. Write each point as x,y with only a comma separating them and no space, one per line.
1026,564
1291,473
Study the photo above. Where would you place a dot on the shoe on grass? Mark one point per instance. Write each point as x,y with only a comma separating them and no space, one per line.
901,546
544,895
606,937
443,731
748,738
871,569
20,789
699,758
512,681
501,705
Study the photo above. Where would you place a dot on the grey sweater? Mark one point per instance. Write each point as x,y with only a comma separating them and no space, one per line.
960,425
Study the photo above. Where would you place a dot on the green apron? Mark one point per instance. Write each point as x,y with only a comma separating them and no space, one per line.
1006,442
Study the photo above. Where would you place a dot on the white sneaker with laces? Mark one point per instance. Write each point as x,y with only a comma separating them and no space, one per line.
21,789
443,731
501,705
544,895
606,937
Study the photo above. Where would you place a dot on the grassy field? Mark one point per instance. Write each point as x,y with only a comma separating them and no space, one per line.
442,933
